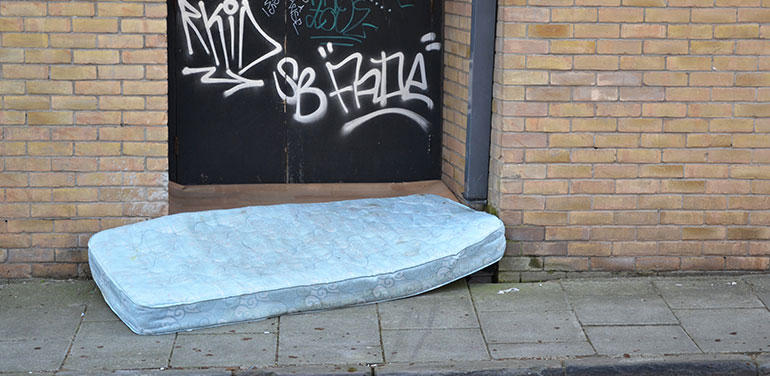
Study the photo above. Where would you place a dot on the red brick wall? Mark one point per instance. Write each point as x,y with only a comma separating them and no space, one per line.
82,127
632,135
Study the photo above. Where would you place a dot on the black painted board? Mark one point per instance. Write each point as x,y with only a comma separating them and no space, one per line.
306,99
393,135
229,125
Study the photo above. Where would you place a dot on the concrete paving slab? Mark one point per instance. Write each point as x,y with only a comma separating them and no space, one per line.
53,322
365,309
449,306
267,326
708,293
761,287
454,289
38,293
32,355
339,336
153,372
111,345
340,327
503,368
321,370
728,330
640,340
329,354
433,345
430,312
514,322
610,286
626,310
224,350
98,310
530,327
519,297
544,350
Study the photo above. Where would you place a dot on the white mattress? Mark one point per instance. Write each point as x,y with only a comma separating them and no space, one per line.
203,269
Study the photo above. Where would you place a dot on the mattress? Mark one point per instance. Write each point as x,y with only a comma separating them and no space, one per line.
196,270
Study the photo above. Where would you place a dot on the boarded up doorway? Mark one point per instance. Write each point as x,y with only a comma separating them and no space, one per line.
304,91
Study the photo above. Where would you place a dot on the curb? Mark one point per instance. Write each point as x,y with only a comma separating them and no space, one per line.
684,368
705,365
730,366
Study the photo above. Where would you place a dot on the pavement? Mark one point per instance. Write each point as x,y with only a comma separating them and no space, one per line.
712,325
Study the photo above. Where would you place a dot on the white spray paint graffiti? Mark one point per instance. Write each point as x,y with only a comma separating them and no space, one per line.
229,8
379,89
270,7
300,84
370,81
295,13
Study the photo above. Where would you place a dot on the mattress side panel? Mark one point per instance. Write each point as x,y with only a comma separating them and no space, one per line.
197,257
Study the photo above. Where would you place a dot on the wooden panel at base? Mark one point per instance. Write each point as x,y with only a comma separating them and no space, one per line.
209,197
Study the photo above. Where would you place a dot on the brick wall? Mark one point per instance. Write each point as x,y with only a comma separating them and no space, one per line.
628,135
82,127
457,52
633,135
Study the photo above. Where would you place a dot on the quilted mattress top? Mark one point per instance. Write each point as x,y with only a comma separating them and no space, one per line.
193,257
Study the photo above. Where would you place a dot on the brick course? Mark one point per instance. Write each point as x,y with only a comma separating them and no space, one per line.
82,127
632,135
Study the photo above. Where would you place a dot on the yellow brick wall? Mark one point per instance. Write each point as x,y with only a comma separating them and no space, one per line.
82,127
457,52
628,135
632,135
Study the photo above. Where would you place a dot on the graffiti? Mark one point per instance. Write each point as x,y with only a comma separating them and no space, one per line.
300,84
208,72
377,78
374,83
214,22
342,21
433,46
270,7
295,14
379,90
362,87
